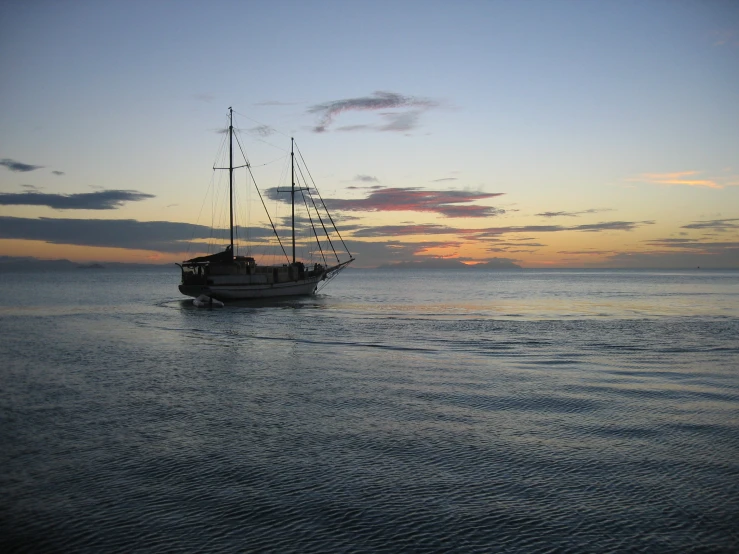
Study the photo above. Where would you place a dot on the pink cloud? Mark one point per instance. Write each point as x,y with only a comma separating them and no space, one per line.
450,203
685,178
380,100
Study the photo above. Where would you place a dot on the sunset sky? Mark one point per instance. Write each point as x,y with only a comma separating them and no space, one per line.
548,133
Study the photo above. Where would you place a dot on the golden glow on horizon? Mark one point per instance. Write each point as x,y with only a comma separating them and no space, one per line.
527,240
48,251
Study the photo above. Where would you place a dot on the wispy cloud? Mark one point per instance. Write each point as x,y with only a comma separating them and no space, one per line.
20,167
684,178
493,233
668,253
58,172
380,100
262,130
366,179
611,226
400,121
355,128
511,250
101,200
158,236
520,244
725,37
585,252
687,244
721,225
513,246
450,203
681,253
555,214
162,236
589,228
444,179
574,214
406,230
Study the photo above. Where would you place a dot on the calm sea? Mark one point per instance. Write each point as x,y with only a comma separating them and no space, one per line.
519,411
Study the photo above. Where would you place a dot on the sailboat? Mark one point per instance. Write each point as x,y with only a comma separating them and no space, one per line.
227,276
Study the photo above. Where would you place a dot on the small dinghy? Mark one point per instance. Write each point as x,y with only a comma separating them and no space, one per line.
204,301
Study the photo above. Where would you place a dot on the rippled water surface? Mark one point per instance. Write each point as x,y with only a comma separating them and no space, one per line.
522,411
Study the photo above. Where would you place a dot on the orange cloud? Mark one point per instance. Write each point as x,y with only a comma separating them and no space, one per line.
677,178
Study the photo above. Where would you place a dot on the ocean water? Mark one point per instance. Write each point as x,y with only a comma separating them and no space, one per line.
438,411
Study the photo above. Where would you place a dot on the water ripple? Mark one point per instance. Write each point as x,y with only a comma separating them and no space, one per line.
147,426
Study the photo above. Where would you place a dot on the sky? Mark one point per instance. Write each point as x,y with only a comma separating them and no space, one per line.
542,133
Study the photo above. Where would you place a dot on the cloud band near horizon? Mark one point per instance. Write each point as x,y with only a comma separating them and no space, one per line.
484,233
100,200
173,237
449,203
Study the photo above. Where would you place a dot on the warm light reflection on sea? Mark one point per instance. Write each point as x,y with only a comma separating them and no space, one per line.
442,411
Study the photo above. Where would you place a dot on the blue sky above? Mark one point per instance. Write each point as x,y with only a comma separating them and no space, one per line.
592,113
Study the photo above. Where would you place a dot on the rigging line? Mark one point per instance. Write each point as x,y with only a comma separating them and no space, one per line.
236,211
258,165
213,239
249,166
241,149
222,147
267,212
197,221
214,198
247,215
266,142
212,190
258,138
322,202
318,213
213,204
262,124
310,218
273,161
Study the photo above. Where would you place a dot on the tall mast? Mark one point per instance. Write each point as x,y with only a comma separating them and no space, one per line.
231,174
292,192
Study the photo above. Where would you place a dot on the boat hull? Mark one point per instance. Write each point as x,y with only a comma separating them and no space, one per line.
235,291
